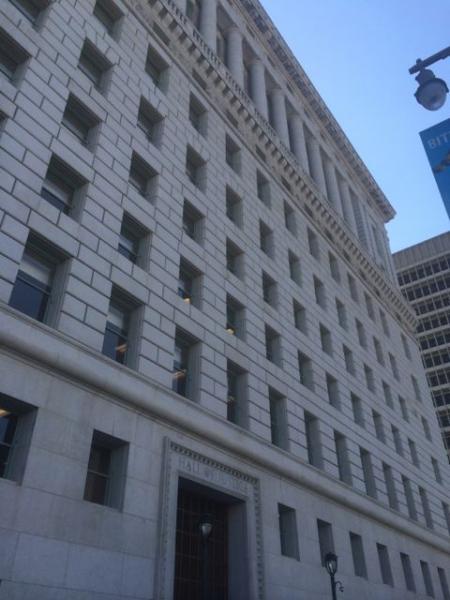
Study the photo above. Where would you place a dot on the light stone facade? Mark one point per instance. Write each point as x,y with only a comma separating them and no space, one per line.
56,545
423,272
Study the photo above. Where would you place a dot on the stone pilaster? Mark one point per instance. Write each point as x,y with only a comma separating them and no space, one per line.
334,196
279,115
258,87
208,22
316,166
298,142
235,59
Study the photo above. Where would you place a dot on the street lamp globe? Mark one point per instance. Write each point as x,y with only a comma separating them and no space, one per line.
432,91
205,527
331,563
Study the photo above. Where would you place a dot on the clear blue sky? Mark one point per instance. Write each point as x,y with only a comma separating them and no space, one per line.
357,54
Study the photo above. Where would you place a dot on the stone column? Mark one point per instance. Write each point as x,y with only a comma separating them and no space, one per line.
208,22
332,185
347,209
279,115
298,142
235,58
258,87
316,163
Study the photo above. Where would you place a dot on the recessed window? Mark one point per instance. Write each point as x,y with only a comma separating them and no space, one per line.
36,289
235,318
326,542
195,169
384,323
349,361
341,313
192,222
436,470
385,565
388,395
369,478
80,121
62,187
273,345
299,316
232,154
428,583
370,381
120,330
235,259
334,267
109,15
319,292
289,218
394,367
357,409
426,428
288,532
379,429
398,444
236,394
151,122
413,452
407,572
325,339
278,420
106,472
410,503
426,508
16,427
193,9
189,283
369,306
31,9
197,115
333,391
390,487
269,288
133,241
313,244
313,445
403,408
263,188
94,65
185,365
444,585
414,382
266,239
142,176
295,271
305,370
352,286
12,56
157,68
343,462
405,346
233,206
446,511
378,351
361,333
359,562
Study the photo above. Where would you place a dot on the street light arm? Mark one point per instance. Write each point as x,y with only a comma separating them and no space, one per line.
422,64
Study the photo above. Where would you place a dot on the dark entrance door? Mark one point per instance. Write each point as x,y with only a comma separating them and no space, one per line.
201,568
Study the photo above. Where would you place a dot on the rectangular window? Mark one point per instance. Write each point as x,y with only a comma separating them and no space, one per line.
185,365
398,445
341,314
359,561
80,121
444,585
313,244
369,479
426,508
334,268
436,470
388,395
31,9
394,367
390,487
295,272
94,65
369,306
378,351
235,259
62,186
266,239
326,542
106,472
120,329
428,583
446,511
416,389
361,333
352,287
357,409
195,169
319,292
405,346
299,316
16,428
384,323
233,207
278,421
370,381
236,394
408,572
273,346
313,444
333,391
413,452
385,565
379,429
190,284
403,408
348,359
109,15
133,241
426,428
150,122
12,56
142,176
305,371
232,154
35,291
197,115
269,288
235,324
410,503
157,68
325,340
193,222
288,531
343,461
263,188
289,218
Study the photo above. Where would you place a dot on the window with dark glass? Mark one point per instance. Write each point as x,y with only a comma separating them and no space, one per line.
116,340
313,244
288,531
232,154
236,409
150,122
266,239
16,427
94,65
278,420
11,56
326,542
106,470
235,259
299,316
385,565
235,318
31,9
158,69
359,561
269,288
295,270
79,120
189,283
289,218
305,371
233,207
319,292
197,115
192,222
133,241
61,185
263,188
184,365
195,168
108,14
142,176
273,345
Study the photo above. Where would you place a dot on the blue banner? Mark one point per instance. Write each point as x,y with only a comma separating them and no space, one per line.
436,141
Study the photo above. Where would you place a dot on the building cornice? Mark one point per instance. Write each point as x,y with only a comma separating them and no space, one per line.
191,50
52,351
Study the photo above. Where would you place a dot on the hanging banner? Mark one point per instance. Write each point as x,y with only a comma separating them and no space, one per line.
436,141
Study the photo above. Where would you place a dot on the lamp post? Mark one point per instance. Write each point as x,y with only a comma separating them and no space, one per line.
432,91
330,561
205,527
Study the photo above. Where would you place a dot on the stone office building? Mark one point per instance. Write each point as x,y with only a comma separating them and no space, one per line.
200,326
423,272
